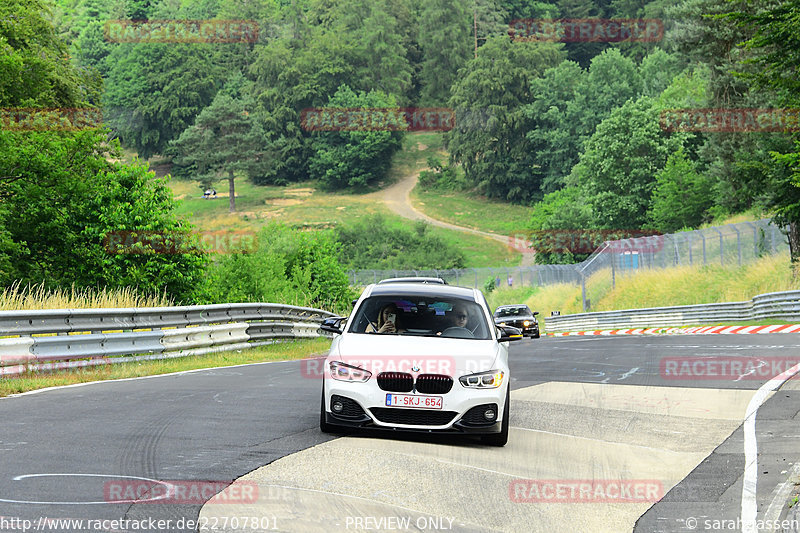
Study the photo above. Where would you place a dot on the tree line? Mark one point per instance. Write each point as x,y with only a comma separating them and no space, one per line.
572,129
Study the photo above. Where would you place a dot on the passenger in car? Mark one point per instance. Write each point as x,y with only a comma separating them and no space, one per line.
387,321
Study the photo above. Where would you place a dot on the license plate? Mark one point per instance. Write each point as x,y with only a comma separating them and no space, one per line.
409,400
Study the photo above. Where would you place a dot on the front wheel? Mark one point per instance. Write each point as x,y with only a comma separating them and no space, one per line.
500,439
323,424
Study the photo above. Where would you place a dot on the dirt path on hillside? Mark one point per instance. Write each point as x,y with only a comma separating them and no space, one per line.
397,197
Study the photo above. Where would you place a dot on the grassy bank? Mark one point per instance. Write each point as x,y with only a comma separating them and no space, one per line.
467,210
669,286
276,352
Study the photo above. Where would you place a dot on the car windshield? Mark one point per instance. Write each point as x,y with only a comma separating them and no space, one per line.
422,316
512,311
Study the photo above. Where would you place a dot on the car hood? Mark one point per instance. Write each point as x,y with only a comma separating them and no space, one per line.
455,357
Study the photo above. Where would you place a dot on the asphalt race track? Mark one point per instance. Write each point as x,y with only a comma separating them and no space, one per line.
608,434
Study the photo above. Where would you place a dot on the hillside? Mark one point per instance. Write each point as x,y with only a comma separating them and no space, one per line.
304,206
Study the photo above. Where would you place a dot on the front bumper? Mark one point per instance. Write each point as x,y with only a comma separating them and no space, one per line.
459,406
527,331
367,423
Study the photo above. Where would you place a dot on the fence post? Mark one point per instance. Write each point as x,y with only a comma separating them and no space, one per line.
583,290
613,277
755,239
721,248
738,243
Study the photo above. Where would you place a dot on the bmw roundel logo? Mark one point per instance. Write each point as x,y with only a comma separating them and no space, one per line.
415,368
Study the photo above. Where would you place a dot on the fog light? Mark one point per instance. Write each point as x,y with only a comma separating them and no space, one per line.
337,407
489,414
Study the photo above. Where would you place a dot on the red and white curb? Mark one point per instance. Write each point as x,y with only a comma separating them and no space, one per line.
699,330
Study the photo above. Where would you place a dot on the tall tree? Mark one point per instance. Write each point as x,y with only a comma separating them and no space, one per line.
617,171
154,91
568,103
224,141
354,158
775,46
34,63
290,77
445,36
490,95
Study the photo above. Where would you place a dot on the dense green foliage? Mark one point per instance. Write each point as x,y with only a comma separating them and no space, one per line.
354,159
283,266
572,129
373,243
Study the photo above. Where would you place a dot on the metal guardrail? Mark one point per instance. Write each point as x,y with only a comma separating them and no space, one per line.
774,305
56,339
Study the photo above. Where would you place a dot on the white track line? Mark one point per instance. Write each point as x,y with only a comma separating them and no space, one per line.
750,479
154,376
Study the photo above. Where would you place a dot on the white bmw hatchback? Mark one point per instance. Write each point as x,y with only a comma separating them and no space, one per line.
418,357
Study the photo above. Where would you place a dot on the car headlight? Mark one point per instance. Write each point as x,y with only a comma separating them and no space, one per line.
526,323
491,379
343,372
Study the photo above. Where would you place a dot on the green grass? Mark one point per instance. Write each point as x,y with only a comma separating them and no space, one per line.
466,209
277,352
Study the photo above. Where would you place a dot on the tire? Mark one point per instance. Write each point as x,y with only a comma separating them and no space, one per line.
323,424
500,439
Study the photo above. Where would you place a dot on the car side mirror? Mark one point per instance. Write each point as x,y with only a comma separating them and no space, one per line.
333,324
353,302
509,333
535,313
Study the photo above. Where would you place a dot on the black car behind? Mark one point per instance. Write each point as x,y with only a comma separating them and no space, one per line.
519,316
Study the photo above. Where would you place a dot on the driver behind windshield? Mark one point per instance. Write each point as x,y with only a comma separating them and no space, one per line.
459,316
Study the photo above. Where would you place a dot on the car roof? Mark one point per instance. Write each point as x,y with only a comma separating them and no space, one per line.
419,279
512,306
422,289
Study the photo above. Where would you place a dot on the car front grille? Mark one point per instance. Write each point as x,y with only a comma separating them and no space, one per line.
474,417
434,384
395,381
351,408
412,417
